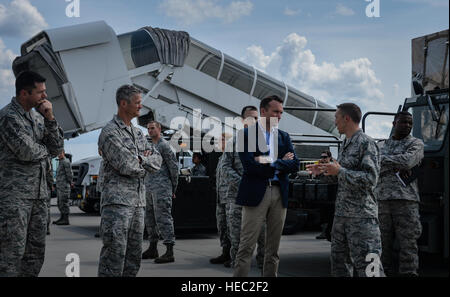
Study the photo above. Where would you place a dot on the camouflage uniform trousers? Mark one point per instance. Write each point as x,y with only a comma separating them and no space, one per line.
234,225
158,216
400,221
352,240
22,237
63,194
121,229
222,215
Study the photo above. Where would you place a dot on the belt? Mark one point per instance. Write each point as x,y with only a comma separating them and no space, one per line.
274,183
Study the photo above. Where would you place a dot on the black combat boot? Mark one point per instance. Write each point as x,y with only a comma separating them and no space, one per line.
63,221
152,252
222,259
167,257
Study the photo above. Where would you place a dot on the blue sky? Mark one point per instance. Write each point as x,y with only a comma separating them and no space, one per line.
329,49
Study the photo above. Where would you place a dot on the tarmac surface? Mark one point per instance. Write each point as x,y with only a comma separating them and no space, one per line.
301,255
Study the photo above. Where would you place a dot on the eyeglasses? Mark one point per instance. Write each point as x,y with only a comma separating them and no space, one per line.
323,157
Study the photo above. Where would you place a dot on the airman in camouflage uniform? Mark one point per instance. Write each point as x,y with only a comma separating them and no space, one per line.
234,170
398,204
64,179
50,186
126,158
27,138
161,187
221,211
198,169
355,235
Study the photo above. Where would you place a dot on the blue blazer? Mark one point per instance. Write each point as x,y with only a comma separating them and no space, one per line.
256,176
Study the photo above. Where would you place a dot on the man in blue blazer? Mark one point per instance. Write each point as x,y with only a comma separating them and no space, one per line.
268,158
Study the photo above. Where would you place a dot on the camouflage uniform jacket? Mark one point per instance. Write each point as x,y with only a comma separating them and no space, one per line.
357,177
198,170
26,141
221,181
168,174
123,178
233,168
397,155
64,174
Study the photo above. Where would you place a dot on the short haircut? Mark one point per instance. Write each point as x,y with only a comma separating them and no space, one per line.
248,107
266,101
402,113
157,124
352,110
328,153
198,155
27,80
125,92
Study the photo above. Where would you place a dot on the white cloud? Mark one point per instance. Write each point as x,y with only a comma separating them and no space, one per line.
379,127
196,11
6,74
20,18
6,79
291,12
350,81
6,86
343,10
6,55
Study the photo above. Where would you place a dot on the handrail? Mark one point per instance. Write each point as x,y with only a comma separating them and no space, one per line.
375,113
309,108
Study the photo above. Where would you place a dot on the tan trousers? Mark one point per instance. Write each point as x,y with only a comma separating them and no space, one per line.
270,209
